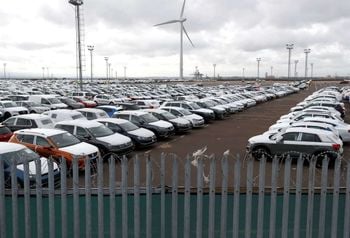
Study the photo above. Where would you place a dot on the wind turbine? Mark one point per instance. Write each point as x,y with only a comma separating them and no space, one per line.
182,30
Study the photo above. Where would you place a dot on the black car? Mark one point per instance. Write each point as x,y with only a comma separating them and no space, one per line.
72,104
140,136
129,106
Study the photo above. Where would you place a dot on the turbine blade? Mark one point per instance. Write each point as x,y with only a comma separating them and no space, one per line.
183,9
188,36
167,22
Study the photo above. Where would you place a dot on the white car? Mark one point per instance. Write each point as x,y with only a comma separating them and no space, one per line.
196,120
104,99
64,115
28,121
9,109
93,113
303,115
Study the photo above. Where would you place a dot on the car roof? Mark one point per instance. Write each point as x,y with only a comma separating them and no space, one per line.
79,122
307,130
135,112
32,116
155,110
109,106
112,120
40,131
6,147
93,110
66,111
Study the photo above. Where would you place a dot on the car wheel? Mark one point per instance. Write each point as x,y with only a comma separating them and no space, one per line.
259,152
111,103
320,156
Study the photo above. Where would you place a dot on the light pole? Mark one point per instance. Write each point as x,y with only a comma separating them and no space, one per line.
258,60
295,68
43,68
124,72
106,59
48,73
5,71
243,73
214,66
289,48
90,48
306,51
312,69
271,71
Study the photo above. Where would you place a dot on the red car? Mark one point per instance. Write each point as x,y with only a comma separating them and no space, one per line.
87,103
5,133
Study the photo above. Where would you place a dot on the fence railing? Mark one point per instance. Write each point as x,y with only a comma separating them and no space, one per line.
212,196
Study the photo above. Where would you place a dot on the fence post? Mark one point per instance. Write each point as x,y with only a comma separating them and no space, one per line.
76,198
100,196
347,202
51,200
64,197
335,199
88,223
187,206
125,196
2,199
324,177
162,195
149,197
298,197
224,171
27,200
310,200
174,199
248,211
14,194
199,224
262,167
273,201
285,216
211,225
112,211
137,196
237,186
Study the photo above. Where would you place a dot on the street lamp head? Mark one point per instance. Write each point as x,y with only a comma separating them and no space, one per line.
76,2
106,58
90,47
258,59
289,46
306,51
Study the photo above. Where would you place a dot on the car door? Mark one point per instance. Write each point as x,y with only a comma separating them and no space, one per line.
309,143
287,145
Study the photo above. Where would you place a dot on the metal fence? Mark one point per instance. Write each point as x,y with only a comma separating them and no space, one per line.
169,196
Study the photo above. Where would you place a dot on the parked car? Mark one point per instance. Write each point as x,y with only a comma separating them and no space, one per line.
99,135
5,133
93,113
50,101
207,114
109,109
180,124
20,154
129,106
71,103
106,99
64,115
220,111
196,120
160,128
58,144
140,136
33,107
85,101
28,121
84,94
293,141
9,109
147,103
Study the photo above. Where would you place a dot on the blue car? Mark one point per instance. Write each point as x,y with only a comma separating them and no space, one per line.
110,110
10,152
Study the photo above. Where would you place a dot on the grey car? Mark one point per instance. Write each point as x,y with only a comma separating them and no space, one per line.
33,107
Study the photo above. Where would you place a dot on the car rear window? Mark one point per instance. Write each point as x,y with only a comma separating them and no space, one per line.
46,121
75,117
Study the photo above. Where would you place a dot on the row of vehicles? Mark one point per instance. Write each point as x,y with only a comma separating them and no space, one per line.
314,127
87,133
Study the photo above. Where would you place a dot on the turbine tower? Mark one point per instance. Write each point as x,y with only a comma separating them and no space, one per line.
182,30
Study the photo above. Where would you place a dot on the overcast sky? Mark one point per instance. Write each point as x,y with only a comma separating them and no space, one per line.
229,33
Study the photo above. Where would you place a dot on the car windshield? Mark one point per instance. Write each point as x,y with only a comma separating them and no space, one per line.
128,126
78,116
185,112
64,140
32,104
100,131
194,106
168,115
9,104
54,100
148,118
21,156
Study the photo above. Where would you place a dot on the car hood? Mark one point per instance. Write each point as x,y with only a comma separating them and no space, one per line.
142,132
15,109
161,123
260,138
180,121
193,116
115,139
80,149
44,166
203,110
